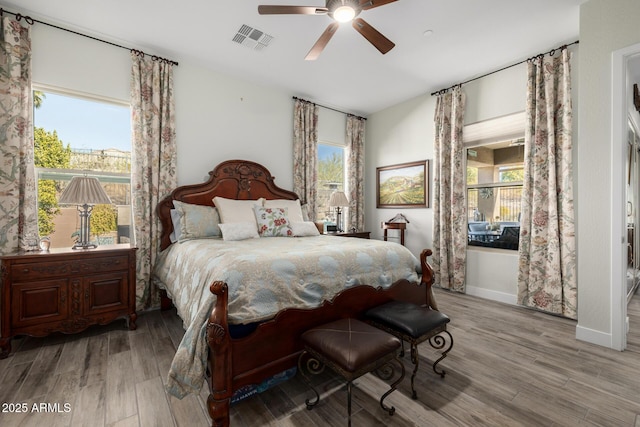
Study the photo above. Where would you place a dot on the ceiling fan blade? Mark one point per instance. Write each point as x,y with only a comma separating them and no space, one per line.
381,43
322,42
370,4
291,10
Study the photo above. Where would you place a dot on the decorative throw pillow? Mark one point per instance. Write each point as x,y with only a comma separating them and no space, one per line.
175,220
238,231
273,222
294,210
305,228
232,210
196,221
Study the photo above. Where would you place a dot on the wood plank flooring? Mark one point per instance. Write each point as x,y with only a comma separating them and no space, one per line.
509,366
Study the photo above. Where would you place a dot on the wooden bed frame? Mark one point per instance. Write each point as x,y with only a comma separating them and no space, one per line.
275,345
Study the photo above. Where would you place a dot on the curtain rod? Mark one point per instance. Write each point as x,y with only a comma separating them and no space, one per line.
329,108
551,52
29,20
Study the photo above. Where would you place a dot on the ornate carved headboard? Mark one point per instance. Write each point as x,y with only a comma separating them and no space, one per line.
233,179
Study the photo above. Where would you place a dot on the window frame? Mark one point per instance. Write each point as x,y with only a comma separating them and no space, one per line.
487,133
105,177
330,218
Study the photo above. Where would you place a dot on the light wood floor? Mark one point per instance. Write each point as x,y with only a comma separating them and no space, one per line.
509,366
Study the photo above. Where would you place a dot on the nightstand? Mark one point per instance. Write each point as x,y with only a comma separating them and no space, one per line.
65,290
358,234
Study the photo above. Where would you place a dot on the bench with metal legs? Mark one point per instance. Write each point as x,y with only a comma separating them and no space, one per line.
351,348
414,324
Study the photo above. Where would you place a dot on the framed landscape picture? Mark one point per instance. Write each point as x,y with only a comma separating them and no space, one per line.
403,186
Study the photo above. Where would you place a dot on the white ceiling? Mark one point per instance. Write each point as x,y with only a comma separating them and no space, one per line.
470,38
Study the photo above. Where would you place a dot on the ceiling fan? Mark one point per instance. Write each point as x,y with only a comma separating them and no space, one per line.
339,11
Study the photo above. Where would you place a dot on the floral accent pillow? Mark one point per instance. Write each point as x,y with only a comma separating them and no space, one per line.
273,222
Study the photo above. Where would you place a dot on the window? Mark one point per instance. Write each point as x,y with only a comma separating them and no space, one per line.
77,135
331,177
495,173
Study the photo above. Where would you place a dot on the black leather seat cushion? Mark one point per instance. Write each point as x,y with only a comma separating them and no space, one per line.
350,343
406,318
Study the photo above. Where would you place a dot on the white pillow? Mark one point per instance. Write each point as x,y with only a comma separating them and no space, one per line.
305,228
294,211
232,210
238,231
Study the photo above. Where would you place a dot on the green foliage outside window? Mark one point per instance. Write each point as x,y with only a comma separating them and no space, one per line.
512,175
330,169
103,219
49,152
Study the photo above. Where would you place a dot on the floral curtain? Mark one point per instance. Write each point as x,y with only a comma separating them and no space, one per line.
18,204
355,168
449,187
305,154
547,253
153,161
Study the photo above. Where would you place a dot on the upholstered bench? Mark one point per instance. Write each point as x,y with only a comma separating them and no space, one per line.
414,324
351,348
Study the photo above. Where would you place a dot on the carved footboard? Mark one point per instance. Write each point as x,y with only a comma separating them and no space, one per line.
275,344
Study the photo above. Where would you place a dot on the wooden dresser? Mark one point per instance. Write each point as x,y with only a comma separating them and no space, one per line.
65,290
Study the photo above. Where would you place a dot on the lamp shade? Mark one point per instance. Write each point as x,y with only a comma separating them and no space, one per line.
84,190
338,198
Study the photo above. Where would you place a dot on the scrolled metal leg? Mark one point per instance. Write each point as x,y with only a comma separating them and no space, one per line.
314,366
349,403
438,342
385,372
415,359
391,410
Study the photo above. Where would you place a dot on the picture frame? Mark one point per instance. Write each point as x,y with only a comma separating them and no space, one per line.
404,185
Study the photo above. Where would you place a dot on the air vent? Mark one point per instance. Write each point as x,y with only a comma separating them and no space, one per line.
252,38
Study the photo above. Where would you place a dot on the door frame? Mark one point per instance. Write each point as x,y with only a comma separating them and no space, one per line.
619,124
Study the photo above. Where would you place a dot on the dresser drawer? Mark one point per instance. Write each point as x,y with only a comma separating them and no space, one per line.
38,270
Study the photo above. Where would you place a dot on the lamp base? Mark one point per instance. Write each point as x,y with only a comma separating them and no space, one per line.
84,246
85,228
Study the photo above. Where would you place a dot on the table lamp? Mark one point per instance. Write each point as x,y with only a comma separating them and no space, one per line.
337,200
85,192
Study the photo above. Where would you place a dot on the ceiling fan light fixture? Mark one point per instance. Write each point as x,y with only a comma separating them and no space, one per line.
344,14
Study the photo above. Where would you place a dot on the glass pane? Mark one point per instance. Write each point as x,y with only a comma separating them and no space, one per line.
78,136
330,178
494,216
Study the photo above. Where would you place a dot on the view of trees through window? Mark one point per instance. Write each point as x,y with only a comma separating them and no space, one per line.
331,172
80,136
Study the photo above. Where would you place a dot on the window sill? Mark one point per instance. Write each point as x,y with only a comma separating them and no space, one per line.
493,245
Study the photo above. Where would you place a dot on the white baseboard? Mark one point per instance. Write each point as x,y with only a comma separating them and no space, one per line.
492,295
583,334
594,337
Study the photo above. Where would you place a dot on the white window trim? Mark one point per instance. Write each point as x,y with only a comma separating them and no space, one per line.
41,87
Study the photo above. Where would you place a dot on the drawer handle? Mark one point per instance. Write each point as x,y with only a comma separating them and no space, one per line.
25,270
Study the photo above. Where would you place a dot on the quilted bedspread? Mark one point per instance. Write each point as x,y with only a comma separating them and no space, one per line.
264,276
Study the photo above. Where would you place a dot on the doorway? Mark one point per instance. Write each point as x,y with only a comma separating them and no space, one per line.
625,71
